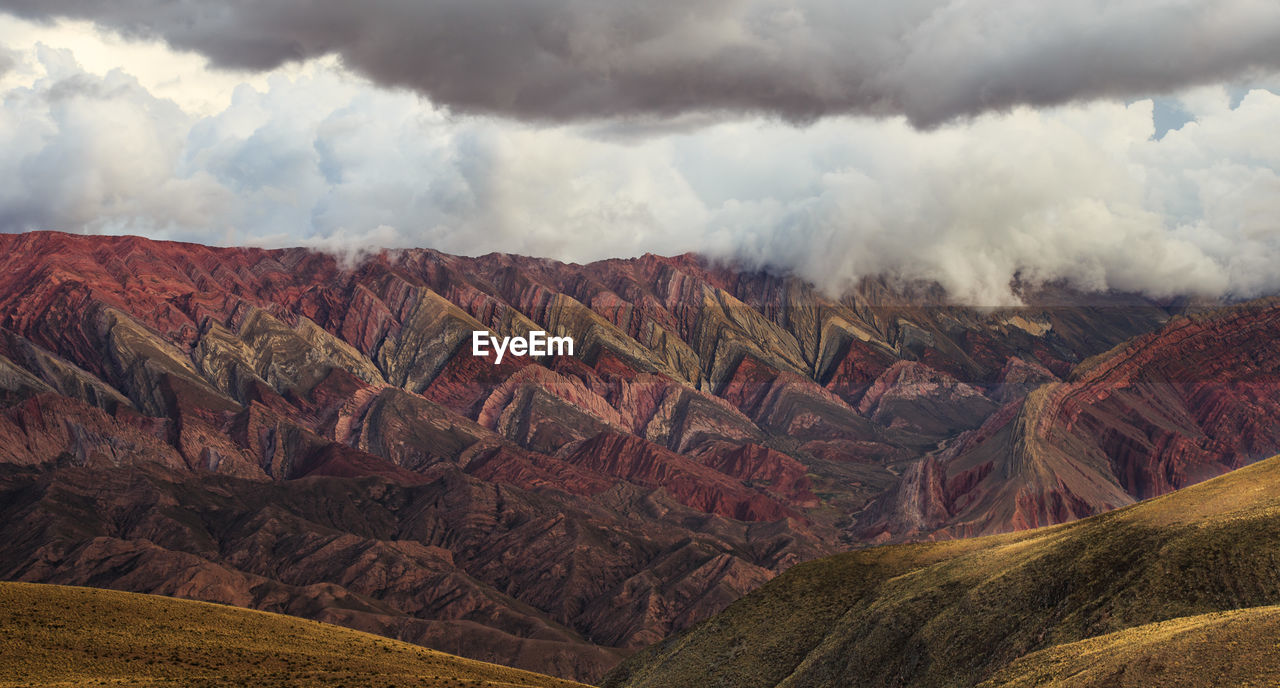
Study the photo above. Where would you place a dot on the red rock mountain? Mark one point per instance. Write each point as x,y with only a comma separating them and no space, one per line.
285,430
1195,399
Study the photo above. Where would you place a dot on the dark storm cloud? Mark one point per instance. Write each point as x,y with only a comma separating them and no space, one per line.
799,59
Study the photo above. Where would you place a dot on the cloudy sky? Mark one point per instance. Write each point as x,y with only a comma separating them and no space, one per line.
1127,144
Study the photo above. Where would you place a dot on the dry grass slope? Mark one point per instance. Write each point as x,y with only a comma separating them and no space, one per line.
964,612
53,635
1237,648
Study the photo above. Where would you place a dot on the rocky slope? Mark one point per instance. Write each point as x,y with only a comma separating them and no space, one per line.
289,431
1195,399
1177,590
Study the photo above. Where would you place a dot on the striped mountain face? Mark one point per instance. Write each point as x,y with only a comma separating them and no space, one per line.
294,432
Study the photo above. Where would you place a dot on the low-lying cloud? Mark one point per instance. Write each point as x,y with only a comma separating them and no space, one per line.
568,60
1080,193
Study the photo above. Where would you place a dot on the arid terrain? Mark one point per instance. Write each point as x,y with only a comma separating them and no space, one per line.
63,636
1179,590
295,432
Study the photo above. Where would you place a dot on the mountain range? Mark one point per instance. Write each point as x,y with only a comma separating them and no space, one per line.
299,432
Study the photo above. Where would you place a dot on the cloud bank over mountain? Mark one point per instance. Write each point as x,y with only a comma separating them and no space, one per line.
320,156
561,60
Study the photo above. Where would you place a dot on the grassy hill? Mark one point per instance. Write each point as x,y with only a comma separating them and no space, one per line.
1221,649
1005,608
53,635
